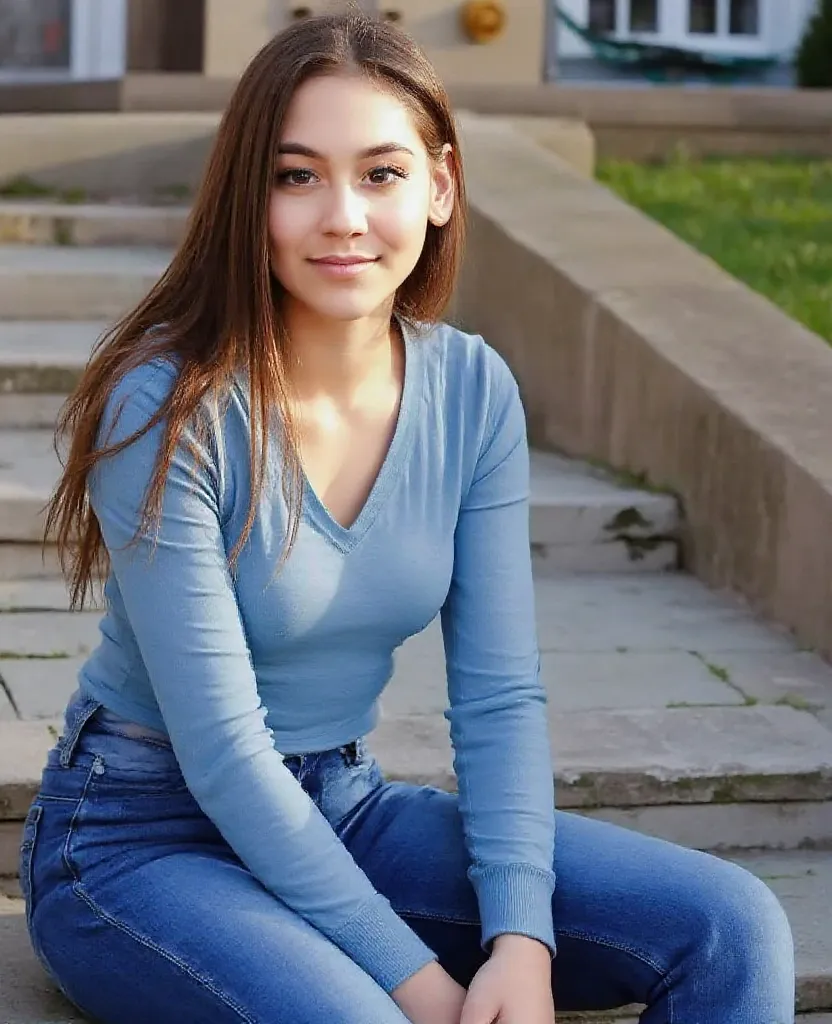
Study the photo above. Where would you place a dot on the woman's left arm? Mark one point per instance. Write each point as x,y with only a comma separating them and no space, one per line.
497,712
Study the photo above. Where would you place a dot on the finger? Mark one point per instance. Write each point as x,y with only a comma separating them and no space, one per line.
476,1011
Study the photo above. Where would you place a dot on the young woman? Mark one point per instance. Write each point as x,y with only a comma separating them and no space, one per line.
287,465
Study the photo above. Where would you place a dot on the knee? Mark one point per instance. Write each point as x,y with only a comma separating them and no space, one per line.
744,928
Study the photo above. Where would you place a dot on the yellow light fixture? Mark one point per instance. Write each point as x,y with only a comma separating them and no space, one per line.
483,20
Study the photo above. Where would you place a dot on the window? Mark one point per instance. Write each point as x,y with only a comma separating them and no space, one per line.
702,17
35,35
602,16
644,15
744,18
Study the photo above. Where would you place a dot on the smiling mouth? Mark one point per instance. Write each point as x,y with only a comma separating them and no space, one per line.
346,261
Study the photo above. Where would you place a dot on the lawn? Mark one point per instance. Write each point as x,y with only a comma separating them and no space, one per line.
768,222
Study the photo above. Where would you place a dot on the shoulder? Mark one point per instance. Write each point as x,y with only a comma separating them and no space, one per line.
470,370
470,380
137,396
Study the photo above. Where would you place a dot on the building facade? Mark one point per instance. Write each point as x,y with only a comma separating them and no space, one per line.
744,28
85,40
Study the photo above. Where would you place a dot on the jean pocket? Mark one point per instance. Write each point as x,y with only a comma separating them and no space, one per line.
27,850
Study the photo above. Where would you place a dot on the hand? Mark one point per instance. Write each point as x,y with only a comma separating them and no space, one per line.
514,986
430,996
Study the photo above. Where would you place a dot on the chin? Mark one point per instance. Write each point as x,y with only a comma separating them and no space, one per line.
346,308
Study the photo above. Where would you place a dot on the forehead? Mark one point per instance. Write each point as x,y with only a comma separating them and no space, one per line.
339,115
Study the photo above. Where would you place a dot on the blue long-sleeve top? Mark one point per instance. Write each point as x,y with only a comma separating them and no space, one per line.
240,668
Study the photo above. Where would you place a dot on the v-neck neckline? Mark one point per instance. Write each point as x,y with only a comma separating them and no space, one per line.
347,537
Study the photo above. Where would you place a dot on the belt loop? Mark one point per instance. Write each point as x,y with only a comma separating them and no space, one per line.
82,713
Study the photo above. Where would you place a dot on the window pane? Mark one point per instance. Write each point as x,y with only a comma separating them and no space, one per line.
702,16
745,18
644,15
34,35
602,15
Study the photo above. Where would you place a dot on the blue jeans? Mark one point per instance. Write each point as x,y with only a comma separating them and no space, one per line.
140,911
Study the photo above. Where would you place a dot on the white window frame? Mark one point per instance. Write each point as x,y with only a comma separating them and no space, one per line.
97,45
98,39
722,40
673,23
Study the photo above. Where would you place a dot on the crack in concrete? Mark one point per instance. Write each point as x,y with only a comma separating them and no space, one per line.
4,686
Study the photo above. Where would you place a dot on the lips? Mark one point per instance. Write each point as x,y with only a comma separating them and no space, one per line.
345,261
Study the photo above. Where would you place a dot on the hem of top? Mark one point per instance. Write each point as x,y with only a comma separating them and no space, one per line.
294,744
316,743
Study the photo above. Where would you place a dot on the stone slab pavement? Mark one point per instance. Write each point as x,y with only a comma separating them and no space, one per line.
801,880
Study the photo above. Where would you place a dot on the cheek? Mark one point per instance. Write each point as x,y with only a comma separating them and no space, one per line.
406,218
285,222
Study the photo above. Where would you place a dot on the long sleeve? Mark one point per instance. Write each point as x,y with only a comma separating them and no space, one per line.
180,600
497,706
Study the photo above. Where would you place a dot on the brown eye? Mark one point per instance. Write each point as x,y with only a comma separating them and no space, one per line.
385,175
295,176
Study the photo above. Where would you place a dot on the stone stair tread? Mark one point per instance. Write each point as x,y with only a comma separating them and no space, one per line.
65,343
586,483
70,260
802,881
92,211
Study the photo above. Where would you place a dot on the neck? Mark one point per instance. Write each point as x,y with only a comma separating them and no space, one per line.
337,357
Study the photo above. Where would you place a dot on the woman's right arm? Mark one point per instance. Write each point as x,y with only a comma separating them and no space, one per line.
180,601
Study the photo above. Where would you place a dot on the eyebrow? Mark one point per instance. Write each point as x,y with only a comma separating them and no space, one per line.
298,149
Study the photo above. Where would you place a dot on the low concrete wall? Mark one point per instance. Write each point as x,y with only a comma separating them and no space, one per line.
141,155
633,349
650,123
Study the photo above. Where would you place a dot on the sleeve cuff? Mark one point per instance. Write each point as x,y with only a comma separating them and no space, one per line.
381,943
515,899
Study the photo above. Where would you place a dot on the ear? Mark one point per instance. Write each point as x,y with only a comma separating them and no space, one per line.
442,191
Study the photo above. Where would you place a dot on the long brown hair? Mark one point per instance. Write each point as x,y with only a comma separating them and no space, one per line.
218,303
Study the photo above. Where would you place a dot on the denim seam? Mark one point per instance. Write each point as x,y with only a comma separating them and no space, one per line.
424,915
663,973
165,954
67,856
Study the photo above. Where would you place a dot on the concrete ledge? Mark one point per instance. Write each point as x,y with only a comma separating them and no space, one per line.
639,123
142,155
635,350
568,138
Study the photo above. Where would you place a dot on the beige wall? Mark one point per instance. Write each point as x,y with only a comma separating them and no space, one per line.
635,350
234,31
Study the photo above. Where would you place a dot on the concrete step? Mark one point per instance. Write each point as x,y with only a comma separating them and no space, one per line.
75,283
90,224
44,357
802,881
671,710
581,520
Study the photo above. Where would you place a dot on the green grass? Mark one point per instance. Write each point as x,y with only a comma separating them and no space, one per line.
767,222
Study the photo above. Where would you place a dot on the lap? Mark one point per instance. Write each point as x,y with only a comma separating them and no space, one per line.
625,904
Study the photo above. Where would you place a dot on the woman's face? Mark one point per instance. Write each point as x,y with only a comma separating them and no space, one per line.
354,191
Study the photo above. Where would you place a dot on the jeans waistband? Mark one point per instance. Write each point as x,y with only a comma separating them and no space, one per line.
85,713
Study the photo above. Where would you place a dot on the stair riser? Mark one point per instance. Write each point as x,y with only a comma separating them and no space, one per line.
71,228
604,557
46,296
30,411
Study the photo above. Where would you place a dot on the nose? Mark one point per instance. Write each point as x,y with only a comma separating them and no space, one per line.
345,213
